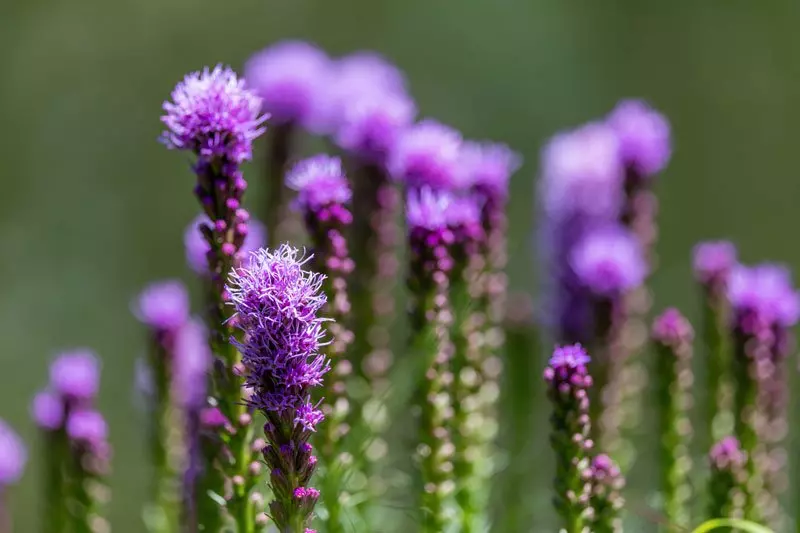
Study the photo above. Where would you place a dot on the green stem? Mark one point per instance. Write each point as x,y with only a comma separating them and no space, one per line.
745,405
279,142
54,520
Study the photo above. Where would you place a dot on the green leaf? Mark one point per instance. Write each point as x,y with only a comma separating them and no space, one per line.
743,525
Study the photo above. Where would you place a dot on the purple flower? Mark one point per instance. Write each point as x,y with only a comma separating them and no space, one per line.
164,306
713,260
290,77
192,363
767,291
213,115
488,167
572,356
308,416
671,328
197,247
75,374
276,302
582,174
427,155
609,261
319,181
87,427
644,136
47,410
429,209
370,124
727,453
13,455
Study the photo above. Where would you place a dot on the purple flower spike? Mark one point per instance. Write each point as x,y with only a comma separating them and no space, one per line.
573,356
87,427
13,455
290,77
713,260
488,167
164,306
75,375
644,136
606,500
609,262
319,182
47,410
427,155
372,123
213,115
767,292
727,453
727,484
671,328
197,246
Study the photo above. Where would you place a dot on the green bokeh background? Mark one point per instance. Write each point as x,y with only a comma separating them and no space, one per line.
92,207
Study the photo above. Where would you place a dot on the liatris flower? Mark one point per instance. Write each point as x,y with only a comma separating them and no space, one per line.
164,308
726,485
276,303
90,455
323,198
568,382
291,78
75,376
13,456
606,500
430,238
712,263
673,336
197,248
427,155
580,189
765,307
213,115
608,263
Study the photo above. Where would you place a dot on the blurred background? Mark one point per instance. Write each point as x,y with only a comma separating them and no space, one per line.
92,207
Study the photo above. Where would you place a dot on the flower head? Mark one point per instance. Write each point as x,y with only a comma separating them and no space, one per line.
428,209
727,453
488,167
572,356
212,114
319,181
427,155
163,306
582,174
767,291
192,363
276,301
75,374
609,261
13,455
290,77
713,260
87,427
197,247
644,136
671,328
47,410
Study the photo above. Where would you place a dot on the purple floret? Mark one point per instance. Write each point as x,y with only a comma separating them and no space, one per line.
164,306
427,155
276,303
47,410
428,209
727,453
572,356
713,260
319,181
644,136
213,115
75,374
488,167
13,455
767,291
672,328
87,427
291,78
609,261
197,246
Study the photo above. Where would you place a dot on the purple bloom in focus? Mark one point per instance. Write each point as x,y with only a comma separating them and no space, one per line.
213,115
569,357
644,136
276,302
671,328
308,416
427,155
290,77
713,260
371,124
319,181
87,426
609,261
75,374
192,364
13,455
47,410
765,290
488,167
197,247
164,306
582,174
